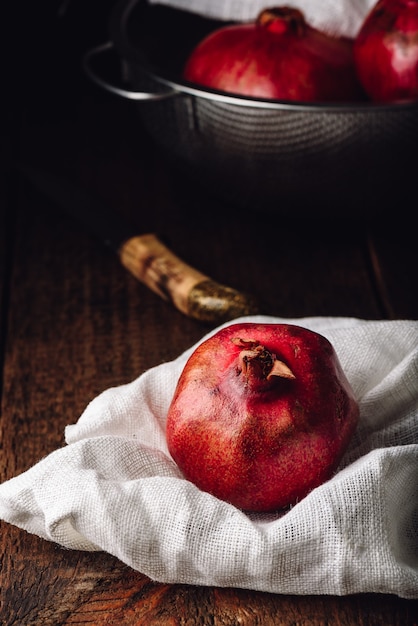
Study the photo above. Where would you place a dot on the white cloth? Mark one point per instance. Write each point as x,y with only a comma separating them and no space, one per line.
335,17
114,487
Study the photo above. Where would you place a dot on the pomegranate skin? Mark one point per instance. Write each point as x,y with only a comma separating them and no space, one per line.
386,51
261,415
278,56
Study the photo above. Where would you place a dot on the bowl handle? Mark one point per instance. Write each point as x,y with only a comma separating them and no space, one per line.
102,82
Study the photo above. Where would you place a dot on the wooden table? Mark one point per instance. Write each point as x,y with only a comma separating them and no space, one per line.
73,321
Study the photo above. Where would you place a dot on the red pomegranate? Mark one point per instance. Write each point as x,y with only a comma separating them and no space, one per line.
261,415
278,56
386,51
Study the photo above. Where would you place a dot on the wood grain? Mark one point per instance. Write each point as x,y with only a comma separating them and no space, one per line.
394,263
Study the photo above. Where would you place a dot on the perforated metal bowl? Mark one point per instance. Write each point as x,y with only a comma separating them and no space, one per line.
344,159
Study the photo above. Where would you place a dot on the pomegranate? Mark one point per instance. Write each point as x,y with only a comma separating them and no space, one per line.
386,51
262,414
278,56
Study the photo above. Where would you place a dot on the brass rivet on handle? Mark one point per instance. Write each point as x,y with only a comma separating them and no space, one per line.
211,302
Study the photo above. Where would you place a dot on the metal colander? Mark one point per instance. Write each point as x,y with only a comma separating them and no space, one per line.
256,154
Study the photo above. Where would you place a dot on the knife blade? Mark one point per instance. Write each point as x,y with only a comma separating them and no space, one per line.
145,256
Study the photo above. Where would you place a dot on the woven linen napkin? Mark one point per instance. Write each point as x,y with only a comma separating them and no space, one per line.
335,17
113,486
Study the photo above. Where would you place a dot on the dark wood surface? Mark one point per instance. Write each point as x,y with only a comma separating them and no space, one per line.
74,321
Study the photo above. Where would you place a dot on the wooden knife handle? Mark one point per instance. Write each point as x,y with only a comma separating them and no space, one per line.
190,291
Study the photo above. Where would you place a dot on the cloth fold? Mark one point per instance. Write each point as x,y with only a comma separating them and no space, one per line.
123,494
335,17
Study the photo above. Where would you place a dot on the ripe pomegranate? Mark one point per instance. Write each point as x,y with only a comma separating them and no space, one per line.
261,415
278,56
386,51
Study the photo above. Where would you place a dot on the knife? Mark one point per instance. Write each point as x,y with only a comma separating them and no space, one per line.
144,255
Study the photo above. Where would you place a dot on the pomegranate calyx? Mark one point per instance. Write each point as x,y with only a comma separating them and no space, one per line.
281,369
258,363
280,20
